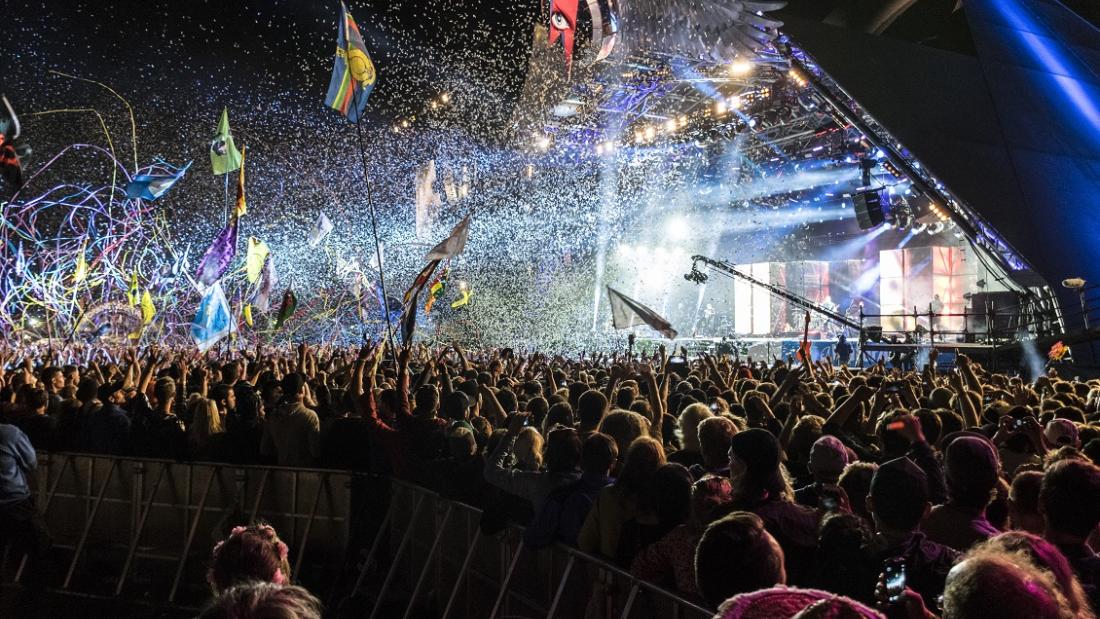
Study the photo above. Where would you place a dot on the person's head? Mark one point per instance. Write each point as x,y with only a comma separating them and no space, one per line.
671,495
754,458
230,373
72,375
1023,502
53,379
205,419
856,483
1069,499
224,396
644,456
294,387
591,407
598,454
164,390
36,400
734,555
88,390
1061,432
456,406
263,600
714,435
624,427
707,495
1006,585
252,553
898,499
427,401
794,603
828,457
560,414
1046,556
806,432
562,453
528,449
972,470
461,443
690,418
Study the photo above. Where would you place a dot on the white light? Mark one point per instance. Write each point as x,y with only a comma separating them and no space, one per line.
609,146
735,102
445,97
740,67
650,132
599,149
544,142
683,120
625,251
720,107
670,125
676,229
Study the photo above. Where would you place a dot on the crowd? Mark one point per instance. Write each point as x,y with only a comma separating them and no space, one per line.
775,489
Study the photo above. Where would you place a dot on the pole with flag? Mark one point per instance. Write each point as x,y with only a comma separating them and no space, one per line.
353,77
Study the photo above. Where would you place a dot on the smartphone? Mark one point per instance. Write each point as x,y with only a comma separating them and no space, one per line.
891,387
829,503
1019,424
894,573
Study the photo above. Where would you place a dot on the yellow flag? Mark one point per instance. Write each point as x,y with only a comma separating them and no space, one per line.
241,206
254,261
148,310
81,268
247,314
466,294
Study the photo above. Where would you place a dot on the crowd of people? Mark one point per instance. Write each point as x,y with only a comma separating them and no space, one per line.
775,489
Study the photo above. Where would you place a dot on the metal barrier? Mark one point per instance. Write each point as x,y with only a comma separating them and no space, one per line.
144,528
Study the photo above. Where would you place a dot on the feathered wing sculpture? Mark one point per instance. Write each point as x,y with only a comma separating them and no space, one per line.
711,29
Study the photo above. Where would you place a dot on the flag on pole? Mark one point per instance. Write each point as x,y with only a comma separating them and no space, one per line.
255,258
224,156
436,290
148,310
11,169
421,279
247,313
286,310
626,313
211,323
408,319
320,230
241,207
269,279
454,244
221,252
133,295
152,186
353,72
428,201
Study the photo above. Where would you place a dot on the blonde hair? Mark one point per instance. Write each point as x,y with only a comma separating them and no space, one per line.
690,418
206,421
528,449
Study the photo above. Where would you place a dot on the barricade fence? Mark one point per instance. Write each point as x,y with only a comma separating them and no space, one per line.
144,528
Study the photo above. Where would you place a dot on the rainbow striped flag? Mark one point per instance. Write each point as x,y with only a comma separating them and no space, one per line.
353,73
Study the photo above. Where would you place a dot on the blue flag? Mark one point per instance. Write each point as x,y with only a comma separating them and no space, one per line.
153,186
353,72
212,322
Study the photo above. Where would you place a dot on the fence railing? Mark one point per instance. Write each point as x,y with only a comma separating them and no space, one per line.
143,529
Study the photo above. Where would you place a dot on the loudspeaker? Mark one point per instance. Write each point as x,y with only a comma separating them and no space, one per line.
868,209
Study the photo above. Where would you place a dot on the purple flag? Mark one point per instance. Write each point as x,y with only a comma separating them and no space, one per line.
220,253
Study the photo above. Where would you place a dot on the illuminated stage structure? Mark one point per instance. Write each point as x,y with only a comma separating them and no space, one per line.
773,165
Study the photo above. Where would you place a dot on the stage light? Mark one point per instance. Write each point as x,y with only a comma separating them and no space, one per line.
736,102
670,125
740,67
1074,283
435,105
676,228
599,149
405,124
683,120
650,133
543,142
609,147
445,97
720,107
936,228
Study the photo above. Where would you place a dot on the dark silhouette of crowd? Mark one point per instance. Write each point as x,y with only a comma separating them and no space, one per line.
776,489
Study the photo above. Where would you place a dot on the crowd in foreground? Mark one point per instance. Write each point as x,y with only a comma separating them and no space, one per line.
776,489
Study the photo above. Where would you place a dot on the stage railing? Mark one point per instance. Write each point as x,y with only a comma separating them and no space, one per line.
144,528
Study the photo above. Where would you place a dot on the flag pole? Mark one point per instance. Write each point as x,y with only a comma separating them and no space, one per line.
374,228
225,204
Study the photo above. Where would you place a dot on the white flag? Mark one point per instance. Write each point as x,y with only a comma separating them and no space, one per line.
213,321
320,230
453,244
428,201
626,313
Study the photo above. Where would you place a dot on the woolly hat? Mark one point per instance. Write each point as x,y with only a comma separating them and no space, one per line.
788,603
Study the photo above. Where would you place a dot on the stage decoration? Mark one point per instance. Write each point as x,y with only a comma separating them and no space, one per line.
563,25
713,30
626,313
224,156
353,73
1058,351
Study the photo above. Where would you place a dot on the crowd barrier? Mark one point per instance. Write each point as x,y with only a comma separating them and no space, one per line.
374,547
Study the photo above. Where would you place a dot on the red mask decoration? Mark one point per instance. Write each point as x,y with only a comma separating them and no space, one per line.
563,23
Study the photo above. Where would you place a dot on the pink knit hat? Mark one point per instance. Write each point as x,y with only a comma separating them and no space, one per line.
788,603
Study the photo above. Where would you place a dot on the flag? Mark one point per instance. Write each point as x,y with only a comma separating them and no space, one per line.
428,201
247,312
408,318
224,156
269,279
133,295
286,310
320,230
255,258
421,279
626,312
1058,351
11,169
241,207
211,323
81,272
353,72
454,244
463,300
153,186
436,290
148,310
220,253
